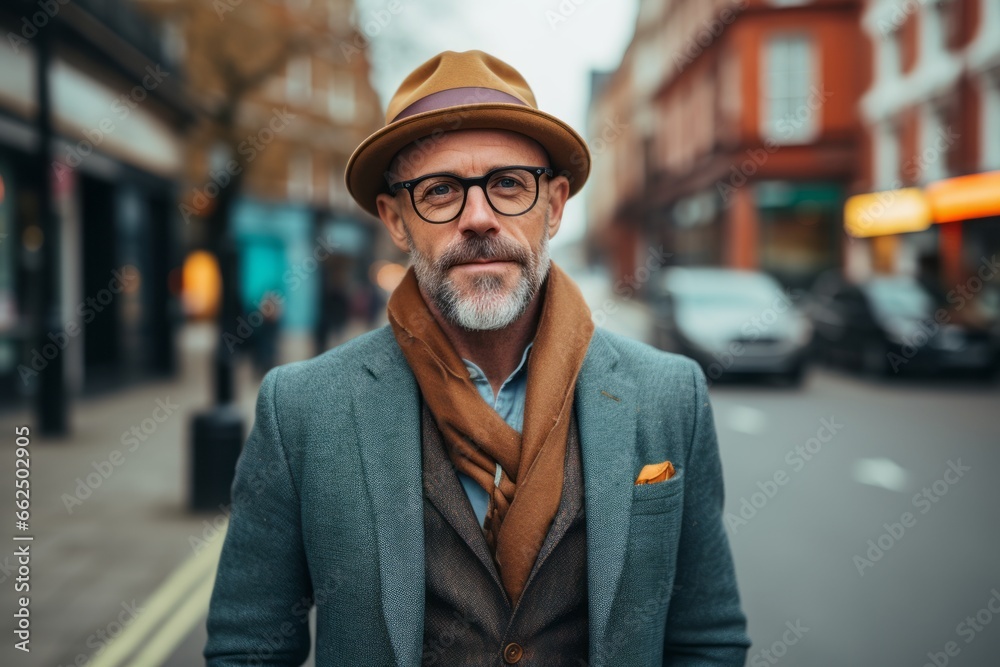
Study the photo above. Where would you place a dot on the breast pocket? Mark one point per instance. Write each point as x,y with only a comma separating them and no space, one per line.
659,497
655,526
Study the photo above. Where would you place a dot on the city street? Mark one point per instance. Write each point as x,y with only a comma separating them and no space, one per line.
842,557
194,193
800,540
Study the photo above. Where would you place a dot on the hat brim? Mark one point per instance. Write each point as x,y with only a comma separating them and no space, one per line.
368,166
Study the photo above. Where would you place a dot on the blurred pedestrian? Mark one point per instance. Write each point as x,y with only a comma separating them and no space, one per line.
265,338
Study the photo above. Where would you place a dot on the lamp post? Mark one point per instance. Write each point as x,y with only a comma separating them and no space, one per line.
51,407
217,433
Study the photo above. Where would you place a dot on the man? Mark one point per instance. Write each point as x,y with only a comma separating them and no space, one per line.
487,480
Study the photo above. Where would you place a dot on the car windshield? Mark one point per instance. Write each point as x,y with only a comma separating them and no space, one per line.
902,298
712,290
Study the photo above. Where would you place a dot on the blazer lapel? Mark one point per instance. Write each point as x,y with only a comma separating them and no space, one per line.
606,411
387,415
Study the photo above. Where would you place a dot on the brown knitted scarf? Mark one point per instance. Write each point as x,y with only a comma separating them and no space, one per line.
524,504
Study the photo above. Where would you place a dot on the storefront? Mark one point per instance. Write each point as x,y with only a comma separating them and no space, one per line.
950,228
12,326
116,231
800,233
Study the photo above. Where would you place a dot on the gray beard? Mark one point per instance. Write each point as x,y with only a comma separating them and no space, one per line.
488,308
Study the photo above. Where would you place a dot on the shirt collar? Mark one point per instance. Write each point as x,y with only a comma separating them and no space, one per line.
475,372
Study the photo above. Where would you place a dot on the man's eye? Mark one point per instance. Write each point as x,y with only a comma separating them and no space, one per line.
440,189
508,184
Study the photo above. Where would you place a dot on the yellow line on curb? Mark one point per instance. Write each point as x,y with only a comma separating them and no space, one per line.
159,649
162,602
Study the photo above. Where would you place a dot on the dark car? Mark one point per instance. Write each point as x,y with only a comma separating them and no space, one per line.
893,324
731,322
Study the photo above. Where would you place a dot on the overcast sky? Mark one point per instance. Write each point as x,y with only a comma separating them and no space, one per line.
553,43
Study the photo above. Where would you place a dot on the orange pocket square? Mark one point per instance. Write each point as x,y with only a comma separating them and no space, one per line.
655,472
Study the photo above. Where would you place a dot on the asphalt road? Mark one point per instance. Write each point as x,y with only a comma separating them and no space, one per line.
863,518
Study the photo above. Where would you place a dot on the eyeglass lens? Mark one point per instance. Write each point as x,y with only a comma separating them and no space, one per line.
511,192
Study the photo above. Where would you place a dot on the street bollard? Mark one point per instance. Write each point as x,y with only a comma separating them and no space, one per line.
216,443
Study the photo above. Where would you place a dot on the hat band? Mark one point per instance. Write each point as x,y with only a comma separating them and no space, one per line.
455,97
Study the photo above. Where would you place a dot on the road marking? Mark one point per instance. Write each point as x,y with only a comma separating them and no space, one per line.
163,600
159,649
744,419
881,472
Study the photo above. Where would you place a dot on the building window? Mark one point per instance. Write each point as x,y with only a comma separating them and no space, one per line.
299,80
887,157
790,101
341,95
891,60
960,20
936,143
337,189
647,68
988,119
300,176
340,15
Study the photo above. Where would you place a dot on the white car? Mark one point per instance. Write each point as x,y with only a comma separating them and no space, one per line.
731,322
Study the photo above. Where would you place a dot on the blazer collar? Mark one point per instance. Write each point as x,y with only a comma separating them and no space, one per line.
606,401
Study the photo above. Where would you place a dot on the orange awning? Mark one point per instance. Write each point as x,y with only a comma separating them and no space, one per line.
889,212
965,197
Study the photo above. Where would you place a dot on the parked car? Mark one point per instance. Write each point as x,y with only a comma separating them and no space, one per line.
893,324
731,322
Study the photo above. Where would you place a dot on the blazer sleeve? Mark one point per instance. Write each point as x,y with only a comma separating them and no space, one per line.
260,604
705,623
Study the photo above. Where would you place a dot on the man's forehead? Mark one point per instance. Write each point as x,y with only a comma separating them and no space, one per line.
468,150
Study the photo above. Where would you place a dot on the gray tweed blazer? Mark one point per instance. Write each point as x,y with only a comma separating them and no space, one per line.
328,511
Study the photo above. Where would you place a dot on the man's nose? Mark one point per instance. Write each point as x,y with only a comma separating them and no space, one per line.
478,216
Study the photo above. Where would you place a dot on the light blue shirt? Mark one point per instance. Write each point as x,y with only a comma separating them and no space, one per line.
509,404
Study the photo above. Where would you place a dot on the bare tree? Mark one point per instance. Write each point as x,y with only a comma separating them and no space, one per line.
233,49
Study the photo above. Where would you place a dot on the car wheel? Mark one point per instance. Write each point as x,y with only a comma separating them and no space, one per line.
873,359
988,373
794,377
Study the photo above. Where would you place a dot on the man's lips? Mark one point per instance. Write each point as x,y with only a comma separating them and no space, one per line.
480,262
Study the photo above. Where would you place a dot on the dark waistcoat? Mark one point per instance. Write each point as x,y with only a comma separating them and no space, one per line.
468,619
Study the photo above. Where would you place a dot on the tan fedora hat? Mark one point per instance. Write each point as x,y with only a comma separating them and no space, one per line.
461,91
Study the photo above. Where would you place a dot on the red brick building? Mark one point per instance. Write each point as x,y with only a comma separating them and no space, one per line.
743,135
931,115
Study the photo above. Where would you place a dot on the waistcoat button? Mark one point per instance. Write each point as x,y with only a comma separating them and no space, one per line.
512,653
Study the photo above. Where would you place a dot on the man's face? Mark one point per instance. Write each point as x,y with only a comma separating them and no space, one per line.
482,269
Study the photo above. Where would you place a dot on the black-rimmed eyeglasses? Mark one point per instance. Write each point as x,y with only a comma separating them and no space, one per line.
440,198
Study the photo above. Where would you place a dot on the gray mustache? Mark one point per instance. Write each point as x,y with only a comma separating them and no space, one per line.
480,249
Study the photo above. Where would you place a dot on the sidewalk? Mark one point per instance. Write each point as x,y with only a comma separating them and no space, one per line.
102,545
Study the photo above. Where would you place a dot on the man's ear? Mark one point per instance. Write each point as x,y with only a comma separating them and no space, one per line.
392,217
558,194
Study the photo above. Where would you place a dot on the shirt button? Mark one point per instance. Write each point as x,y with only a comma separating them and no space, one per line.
512,653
